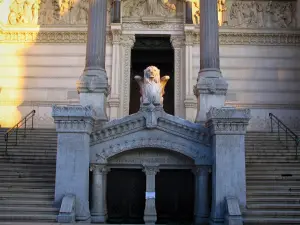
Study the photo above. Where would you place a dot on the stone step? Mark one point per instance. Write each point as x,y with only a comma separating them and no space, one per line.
273,213
28,184
31,216
276,206
270,221
28,202
25,190
27,179
295,194
273,177
31,196
21,209
274,200
258,187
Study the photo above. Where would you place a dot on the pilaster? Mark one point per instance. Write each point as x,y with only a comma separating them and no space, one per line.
298,14
211,87
99,184
127,42
150,215
178,43
92,85
114,100
73,125
190,103
202,198
227,129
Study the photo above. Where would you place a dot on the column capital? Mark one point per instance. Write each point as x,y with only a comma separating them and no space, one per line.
151,169
201,170
177,41
99,169
128,40
228,120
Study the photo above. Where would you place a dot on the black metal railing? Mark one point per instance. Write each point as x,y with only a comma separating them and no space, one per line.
16,127
287,131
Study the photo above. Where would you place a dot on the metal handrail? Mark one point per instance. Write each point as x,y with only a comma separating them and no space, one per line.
16,127
288,132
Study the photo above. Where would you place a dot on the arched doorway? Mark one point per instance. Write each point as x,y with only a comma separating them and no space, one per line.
126,187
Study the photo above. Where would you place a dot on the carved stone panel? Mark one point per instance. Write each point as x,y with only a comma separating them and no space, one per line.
150,156
262,14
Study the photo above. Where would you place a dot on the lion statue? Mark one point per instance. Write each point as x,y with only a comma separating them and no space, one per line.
152,86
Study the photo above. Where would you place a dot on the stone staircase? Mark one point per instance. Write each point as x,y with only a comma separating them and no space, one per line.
27,178
273,180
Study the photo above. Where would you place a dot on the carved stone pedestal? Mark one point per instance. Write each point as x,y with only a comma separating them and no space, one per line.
73,125
227,129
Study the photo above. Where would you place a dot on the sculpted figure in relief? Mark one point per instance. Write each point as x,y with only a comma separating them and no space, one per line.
149,8
23,12
152,86
259,14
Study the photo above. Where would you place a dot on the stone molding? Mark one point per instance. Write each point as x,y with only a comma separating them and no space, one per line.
228,120
135,122
105,153
238,37
73,119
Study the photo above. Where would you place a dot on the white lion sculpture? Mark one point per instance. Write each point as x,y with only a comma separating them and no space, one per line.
152,87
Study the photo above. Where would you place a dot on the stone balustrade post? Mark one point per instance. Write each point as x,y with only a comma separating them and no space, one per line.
227,127
73,125
202,200
189,12
92,85
99,184
150,215
211,87
117,11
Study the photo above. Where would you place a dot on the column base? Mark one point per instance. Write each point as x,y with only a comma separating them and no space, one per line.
201,220
99,218
215,221
83,219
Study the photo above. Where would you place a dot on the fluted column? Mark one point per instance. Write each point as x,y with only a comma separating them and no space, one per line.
211,87
117,11
93,84
98,209
150,215
189,12
201,210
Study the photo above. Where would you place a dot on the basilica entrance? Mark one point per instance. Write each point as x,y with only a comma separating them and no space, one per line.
175,196
152,51
126,196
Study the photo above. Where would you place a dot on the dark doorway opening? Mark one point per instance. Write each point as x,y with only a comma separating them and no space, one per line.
175,196
126,196
152,51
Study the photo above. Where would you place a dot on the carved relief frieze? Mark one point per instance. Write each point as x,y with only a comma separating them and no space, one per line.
262,14
157,26
153,8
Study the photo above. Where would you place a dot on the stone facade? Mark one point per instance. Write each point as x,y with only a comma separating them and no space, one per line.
258,56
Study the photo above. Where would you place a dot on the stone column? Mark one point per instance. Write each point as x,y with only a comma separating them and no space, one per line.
190,103
178,43
202,199
117,11
127,42
98,209
73,125
227,127
93,83
114,100
189,12
211,87
150,216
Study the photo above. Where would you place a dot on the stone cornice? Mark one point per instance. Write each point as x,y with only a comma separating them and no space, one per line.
227,120
78,35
